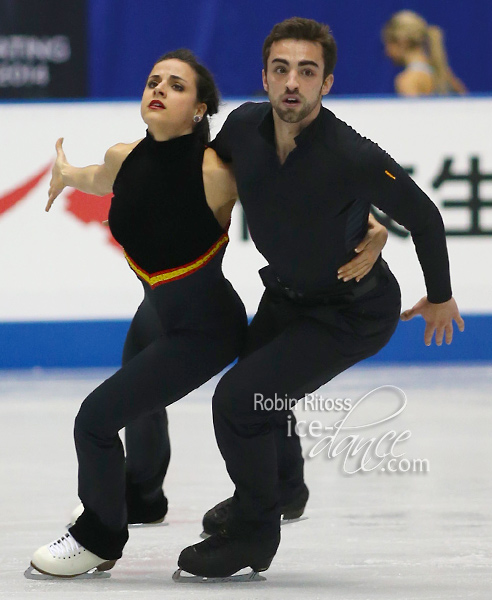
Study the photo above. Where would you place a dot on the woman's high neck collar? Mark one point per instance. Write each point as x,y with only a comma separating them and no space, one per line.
181,140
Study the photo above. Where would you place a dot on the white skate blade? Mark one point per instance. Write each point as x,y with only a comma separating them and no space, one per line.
245,577
283,522
32,573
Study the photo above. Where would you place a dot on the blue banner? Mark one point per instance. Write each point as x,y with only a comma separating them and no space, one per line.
126,37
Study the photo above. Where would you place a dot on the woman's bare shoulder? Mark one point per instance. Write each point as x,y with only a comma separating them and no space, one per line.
121,150
212,162
116,155
220,186
219,174
414,83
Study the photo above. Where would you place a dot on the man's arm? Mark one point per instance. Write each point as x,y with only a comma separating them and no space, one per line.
391,189
238,120
222,142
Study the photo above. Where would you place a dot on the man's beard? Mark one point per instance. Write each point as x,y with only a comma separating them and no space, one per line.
291,115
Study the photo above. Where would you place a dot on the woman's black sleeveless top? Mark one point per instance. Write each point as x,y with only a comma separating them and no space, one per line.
159,212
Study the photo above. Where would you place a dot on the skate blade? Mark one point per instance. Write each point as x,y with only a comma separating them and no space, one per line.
134,525
154,524
246,577
32,573
204,535
290,521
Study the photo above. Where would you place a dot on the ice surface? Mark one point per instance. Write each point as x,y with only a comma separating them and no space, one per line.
374,535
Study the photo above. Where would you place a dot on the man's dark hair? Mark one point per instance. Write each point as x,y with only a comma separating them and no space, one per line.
297,28
206,90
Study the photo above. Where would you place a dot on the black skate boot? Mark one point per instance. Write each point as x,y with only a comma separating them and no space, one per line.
221,556
215,519
145,508
295,508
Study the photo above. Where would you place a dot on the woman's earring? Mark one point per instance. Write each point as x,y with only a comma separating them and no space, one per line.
197,119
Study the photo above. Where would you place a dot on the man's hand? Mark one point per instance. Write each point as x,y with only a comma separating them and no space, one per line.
438,318
368,252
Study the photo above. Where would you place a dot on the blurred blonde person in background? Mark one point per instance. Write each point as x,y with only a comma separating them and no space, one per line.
411,42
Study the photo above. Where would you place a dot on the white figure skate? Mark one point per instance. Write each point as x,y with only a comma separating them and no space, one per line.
66,558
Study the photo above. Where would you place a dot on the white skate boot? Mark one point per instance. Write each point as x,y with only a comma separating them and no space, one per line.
65,558
78,510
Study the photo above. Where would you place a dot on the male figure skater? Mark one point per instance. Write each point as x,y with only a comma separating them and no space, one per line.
306,181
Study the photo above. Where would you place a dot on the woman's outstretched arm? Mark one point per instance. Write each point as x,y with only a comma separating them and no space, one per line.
94,179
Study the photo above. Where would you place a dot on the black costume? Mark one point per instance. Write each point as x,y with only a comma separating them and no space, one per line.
305,217
190,325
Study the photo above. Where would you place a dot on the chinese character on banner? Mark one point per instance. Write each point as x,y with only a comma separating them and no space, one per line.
474,203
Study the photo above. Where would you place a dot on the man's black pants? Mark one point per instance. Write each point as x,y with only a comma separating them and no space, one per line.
293,349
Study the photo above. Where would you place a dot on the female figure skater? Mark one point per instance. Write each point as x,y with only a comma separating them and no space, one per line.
419,47
171,206
172,202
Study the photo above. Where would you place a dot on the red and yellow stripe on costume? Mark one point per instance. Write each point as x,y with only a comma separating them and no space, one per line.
160,277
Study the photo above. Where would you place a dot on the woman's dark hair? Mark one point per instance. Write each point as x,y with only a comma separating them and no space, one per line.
206,90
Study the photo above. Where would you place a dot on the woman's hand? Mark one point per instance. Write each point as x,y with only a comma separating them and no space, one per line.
57,184
368,252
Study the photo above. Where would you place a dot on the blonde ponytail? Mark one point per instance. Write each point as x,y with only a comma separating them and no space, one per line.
438,59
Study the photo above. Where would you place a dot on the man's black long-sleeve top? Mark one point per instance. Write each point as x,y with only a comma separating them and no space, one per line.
307,215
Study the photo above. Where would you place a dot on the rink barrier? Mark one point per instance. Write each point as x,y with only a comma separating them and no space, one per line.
77,344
